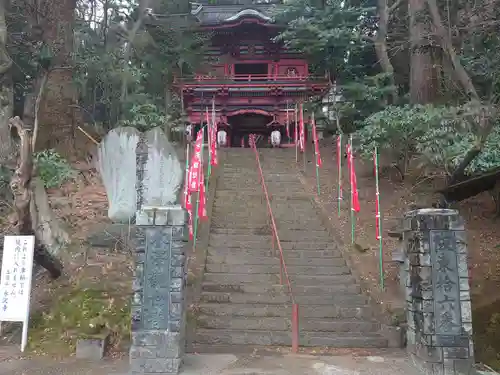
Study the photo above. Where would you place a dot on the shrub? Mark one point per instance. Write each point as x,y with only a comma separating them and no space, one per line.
52,168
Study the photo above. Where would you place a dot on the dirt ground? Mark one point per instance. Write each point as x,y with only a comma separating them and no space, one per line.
396,197
91,298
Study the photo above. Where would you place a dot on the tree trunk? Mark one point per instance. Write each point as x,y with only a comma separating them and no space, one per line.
56,112
21,185
423,80
131,34
6,93
486,113
380,42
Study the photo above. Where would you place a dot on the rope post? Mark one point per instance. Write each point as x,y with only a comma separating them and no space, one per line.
295,328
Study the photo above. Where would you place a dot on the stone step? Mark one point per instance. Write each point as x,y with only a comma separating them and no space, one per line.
235,238
245,252
270,310
300,235
245,323
312,280
282,217
308,245
220,223
236,221
317,270
268,251
311,253
223,207
245,298
266,288
328,289
272,268
243,288
257,243
343,298
238,195
255,191
252,259
237,278
230,231
277,338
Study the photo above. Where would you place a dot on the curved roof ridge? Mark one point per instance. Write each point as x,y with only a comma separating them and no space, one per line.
248,12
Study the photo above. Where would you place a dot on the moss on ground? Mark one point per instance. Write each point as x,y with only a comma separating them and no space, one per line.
77,312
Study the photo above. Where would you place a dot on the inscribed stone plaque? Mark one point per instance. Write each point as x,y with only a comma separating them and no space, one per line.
445,282
157,279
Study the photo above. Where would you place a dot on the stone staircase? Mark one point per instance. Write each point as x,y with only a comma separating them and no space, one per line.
242,303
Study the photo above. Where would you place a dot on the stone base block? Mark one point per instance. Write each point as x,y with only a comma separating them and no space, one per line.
446,367
93,349
163,366
156,352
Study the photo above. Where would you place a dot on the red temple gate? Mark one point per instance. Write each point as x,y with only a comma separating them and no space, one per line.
257,82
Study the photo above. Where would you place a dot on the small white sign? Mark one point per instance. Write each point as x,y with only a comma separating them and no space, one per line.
15,281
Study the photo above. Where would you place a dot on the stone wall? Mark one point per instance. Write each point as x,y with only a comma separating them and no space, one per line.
439,334
158,305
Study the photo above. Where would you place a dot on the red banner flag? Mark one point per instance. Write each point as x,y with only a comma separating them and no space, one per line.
301,129
194,169
202,207
354,186
339,165
319,162
212,141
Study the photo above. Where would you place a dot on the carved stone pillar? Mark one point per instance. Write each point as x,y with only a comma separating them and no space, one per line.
439,316
158,302
158,305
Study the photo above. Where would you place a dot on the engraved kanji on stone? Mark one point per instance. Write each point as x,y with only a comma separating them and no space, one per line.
443,263
446,321
446,283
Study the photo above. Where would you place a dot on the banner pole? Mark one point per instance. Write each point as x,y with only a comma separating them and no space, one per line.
296,135
303,135
209,134
353,216
195,230
339,174
186,179
288,123
379,221
316,148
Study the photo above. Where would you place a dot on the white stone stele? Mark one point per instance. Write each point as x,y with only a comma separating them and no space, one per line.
117,167
163,173
163,177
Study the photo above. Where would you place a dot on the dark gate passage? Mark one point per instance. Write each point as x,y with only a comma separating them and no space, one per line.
243,125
